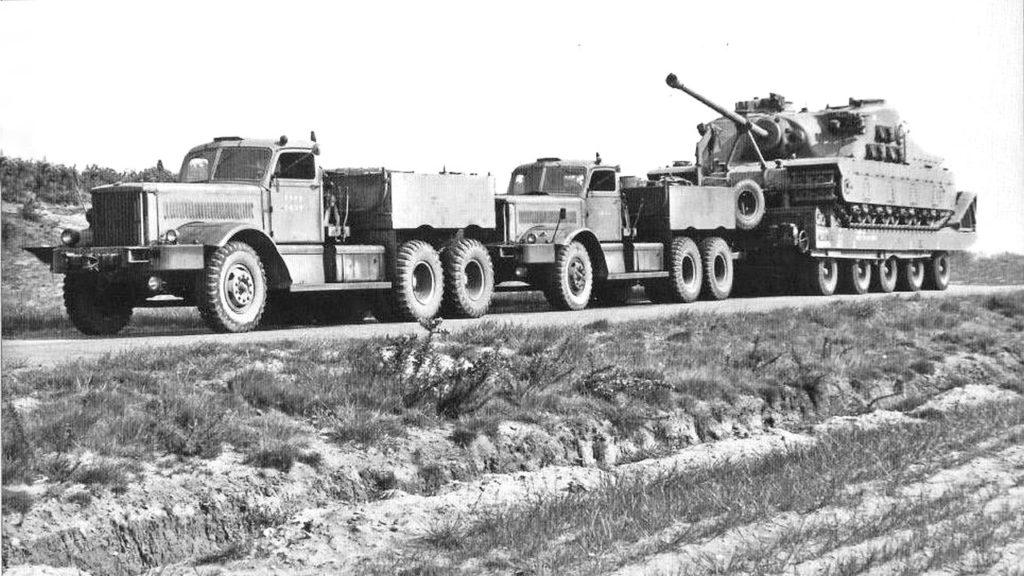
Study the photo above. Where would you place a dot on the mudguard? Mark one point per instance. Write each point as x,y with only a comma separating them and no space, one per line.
217,234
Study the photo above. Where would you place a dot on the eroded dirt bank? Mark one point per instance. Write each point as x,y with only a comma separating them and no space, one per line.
356,503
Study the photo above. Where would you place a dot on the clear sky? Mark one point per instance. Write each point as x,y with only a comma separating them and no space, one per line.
475,87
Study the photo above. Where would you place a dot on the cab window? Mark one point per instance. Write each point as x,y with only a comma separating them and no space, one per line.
295,166
602,181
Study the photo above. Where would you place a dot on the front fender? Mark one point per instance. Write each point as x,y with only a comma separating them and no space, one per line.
215,234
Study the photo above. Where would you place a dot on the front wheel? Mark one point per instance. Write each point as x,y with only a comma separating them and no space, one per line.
97,307
571,279
232,293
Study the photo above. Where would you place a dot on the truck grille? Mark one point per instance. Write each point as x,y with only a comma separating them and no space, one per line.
118,218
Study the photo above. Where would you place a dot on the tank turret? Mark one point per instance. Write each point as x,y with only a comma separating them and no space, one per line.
856,162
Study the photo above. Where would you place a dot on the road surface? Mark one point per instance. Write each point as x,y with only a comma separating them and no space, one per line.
43,352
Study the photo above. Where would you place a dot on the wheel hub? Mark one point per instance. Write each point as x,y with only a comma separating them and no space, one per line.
577,276
240,286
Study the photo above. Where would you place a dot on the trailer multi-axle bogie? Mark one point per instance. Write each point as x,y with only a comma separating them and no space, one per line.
838,200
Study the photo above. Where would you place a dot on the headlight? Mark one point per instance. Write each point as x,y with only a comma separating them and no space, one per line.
531,238
70,237
171,236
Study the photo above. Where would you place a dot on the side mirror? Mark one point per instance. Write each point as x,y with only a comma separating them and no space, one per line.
561,214
316,149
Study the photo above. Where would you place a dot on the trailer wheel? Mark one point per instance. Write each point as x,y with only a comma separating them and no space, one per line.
856,276
936,272
911,275
686,272
718,271
95,306
232,293
750,205
419,281
469,279
884,279
571,278
821,277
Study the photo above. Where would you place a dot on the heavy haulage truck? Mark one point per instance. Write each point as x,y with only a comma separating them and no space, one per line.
839,198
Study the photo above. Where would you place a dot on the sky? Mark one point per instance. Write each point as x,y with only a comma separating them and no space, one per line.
475,87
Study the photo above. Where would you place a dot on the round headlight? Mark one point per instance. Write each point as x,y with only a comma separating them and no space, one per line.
531,238
171,236
70,237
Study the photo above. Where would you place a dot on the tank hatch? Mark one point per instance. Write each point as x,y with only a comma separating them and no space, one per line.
772,104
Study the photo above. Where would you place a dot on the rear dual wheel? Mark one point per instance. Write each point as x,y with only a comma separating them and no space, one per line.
716,258
469,279
686,275
418,285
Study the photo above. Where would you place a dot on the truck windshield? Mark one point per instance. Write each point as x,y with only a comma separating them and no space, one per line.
236,163
541,179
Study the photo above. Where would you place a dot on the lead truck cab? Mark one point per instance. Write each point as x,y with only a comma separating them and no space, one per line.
249,219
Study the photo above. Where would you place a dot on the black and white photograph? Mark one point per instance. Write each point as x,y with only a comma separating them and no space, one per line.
535,288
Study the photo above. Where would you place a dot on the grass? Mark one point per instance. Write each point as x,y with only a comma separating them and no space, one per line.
576,531
267,400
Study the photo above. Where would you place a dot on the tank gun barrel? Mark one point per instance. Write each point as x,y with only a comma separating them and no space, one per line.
740,121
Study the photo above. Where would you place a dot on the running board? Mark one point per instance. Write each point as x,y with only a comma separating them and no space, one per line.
340,286
637,275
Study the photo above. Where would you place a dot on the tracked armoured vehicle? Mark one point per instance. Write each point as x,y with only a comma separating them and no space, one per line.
845,186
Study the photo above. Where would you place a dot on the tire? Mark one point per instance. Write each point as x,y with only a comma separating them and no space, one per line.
750,204
232,293
469,279
419,282
96,307
686,274
937,272
856,276
571,279
911,276
612,293
884,276
718,270
821,277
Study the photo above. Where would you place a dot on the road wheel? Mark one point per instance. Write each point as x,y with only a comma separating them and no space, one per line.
685,272
884,279
856,276
571,278
419,281
469,277
821,277
97,307
911,275
612,293
936,272
750,205
232,293
718,271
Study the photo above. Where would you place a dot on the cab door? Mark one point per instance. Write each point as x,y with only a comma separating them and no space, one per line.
295,198
604,205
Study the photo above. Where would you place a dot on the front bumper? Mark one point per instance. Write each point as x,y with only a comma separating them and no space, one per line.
528,253
135,258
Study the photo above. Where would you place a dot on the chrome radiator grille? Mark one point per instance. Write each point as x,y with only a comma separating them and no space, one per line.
118,218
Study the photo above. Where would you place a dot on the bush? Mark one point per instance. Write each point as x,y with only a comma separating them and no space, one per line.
17,452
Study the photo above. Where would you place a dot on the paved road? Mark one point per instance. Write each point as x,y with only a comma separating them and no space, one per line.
39,352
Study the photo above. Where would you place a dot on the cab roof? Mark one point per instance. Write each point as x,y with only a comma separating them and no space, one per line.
239,142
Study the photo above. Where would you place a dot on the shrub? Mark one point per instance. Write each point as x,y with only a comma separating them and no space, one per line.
17,501
278,455
17,451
